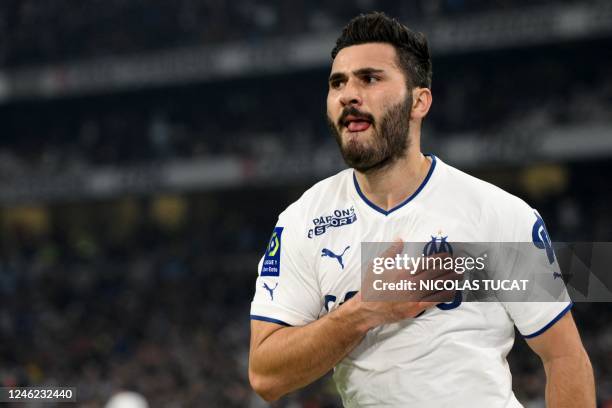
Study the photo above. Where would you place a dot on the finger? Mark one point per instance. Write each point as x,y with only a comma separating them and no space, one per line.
420,307
447,282
396,248
439,274
440,255
433,262
441,296
425,305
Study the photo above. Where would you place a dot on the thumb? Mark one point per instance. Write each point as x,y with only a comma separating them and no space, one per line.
396,248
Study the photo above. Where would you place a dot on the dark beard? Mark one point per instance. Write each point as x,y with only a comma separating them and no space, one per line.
389,142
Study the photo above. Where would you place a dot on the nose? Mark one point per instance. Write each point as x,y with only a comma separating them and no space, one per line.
350,95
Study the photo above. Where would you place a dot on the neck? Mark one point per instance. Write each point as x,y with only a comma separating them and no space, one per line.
389,186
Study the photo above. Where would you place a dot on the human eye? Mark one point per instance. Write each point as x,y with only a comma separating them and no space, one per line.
370,79
335,83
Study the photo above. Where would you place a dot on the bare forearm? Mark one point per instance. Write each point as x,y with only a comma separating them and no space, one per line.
293,357
570,382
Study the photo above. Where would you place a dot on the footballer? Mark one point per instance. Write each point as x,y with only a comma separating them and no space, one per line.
308,316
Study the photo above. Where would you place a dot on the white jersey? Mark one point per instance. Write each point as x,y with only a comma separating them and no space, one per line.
452,355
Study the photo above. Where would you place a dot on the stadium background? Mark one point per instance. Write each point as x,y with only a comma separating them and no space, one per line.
147,147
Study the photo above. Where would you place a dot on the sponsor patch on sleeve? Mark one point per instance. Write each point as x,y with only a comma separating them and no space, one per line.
271,262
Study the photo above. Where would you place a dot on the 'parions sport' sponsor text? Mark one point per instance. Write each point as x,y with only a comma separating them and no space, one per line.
338,218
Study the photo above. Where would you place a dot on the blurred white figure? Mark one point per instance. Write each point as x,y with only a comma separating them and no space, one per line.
127,399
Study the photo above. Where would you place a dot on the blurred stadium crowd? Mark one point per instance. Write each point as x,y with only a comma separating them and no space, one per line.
151,292
281,115
99,28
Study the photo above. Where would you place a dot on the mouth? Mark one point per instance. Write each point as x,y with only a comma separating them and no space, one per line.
356,123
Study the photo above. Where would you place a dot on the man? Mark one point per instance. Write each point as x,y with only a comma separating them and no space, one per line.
307,314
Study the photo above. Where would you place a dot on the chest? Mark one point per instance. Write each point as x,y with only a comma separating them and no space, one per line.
338,255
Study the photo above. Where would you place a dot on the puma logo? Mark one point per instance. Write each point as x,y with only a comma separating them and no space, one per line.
330,253
269,289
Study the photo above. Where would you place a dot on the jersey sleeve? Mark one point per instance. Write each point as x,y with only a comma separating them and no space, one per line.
287,290
532,258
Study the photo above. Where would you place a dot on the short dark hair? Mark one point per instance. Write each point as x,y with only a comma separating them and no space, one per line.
411,46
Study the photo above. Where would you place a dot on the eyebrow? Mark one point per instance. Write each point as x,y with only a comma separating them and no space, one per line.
359,72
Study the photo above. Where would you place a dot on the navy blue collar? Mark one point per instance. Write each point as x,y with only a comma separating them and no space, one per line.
406,201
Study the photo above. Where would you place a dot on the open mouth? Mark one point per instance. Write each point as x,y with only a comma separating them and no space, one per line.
356,123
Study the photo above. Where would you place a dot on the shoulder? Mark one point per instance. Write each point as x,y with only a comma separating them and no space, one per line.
484,192
321,195
498,210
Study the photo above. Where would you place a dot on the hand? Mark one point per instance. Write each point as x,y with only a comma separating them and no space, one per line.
378,307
